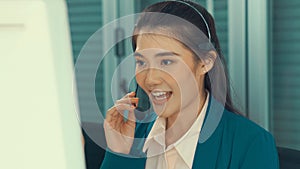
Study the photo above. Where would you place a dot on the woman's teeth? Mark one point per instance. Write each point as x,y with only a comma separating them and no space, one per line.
160,95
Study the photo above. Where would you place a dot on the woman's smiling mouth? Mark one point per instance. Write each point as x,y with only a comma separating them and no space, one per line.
160,97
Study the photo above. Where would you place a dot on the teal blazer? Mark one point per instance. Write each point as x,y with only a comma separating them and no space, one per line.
227,141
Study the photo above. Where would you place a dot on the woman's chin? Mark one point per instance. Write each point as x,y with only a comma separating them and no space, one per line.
160,110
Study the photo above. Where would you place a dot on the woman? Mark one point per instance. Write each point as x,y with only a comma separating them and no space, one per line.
179,65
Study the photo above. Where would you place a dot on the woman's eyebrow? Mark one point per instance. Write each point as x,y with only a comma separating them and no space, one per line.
166,54
161,54
137,54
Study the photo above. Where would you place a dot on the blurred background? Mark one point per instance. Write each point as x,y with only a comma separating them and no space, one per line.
260,40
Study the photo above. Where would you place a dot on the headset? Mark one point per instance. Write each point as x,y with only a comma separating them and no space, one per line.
200,14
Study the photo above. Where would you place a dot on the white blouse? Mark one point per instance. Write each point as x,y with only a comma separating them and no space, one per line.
179,155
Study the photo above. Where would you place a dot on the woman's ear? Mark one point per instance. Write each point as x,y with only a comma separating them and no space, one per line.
207,63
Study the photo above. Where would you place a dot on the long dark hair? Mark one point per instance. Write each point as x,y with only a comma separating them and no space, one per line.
189,14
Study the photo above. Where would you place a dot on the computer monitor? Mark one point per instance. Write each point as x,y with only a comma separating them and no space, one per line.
39,124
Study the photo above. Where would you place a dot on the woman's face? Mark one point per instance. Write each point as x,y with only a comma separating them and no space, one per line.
167,72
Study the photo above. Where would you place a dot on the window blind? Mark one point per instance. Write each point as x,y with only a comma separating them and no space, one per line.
286,73
220,14
85,19
221,22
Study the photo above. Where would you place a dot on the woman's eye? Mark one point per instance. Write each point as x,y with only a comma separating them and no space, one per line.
166,62
139,63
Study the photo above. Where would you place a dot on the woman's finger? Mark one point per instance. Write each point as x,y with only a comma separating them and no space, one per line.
131,118
131,101
121,111
111,113
122,107
126,111
129,95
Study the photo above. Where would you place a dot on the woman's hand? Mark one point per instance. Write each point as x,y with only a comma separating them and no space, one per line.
119,131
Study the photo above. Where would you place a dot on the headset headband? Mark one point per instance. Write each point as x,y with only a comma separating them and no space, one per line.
195,9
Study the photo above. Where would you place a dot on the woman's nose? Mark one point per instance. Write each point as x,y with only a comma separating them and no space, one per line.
153,78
